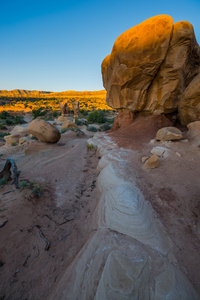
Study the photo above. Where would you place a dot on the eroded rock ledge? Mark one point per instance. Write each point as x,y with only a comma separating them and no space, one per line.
155,67
129,255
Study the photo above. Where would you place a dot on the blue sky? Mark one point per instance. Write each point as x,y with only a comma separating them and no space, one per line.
57,45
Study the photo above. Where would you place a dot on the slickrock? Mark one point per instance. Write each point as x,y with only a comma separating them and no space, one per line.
129,255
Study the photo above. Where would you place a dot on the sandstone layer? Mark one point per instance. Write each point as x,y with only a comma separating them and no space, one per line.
154,67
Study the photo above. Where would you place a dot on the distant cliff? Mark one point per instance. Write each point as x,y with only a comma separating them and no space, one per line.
43,94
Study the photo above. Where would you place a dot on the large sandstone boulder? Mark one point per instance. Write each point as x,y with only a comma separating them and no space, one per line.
44,131
152,67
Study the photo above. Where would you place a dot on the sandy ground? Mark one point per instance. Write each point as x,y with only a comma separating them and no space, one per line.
63,214
67,174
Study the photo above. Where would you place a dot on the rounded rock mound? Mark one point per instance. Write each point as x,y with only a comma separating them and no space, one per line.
44,131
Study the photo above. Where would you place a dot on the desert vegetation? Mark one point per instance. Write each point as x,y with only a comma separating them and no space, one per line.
26,101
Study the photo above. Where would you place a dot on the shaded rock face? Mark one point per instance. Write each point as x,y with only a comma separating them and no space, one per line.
151,68
44,131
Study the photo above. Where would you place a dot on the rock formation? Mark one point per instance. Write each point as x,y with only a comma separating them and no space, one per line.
154,67
65,110
75,107
44,131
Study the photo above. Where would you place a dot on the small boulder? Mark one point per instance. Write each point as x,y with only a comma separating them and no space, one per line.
22,130
63,119
44,131
168,134
12,139
68,124
152,162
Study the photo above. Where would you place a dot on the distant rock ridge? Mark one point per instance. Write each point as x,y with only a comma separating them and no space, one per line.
46,94
154,67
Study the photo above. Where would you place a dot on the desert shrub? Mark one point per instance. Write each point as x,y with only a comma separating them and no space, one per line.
2,126
96,117
80,122
105,127
38,113
110,120
9,122
92,128
19,120
90,146
4,114
55,114
3,181
84,112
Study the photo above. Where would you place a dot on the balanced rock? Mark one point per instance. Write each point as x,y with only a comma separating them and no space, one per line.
152,162
154,66
44,131
168,134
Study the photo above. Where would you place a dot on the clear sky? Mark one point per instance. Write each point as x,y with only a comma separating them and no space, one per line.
58,45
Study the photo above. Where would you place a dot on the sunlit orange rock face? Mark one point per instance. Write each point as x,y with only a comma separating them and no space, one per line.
151,65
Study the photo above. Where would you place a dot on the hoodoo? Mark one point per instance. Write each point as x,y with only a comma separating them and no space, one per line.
153,68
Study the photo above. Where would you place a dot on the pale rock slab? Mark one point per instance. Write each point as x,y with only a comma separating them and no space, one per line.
12,139
160,151
127,212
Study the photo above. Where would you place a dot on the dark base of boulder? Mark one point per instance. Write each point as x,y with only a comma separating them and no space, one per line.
123,119
142,130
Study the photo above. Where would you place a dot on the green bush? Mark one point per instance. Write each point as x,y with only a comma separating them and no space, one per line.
2,126
3,181
84,112
90,146
92,128
9,122
55,114
4,115
19,120
110,120
97,117
80,122
105,127
38,113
